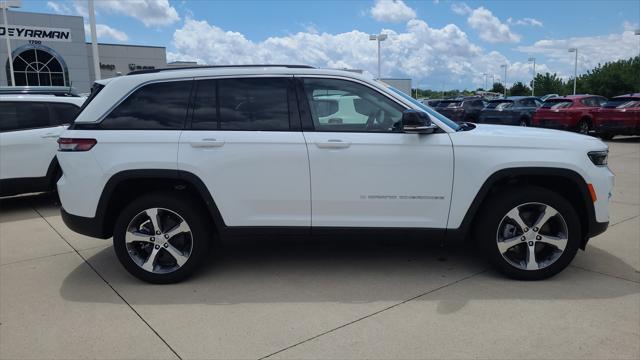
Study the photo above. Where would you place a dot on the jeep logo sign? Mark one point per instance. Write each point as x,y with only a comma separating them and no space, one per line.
35,33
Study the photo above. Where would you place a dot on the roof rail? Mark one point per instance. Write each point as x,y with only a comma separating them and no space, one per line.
151,71
39,90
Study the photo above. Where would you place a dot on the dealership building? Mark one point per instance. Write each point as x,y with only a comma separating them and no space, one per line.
50,49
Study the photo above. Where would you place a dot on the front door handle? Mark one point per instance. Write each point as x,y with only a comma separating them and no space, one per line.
333,144
207,143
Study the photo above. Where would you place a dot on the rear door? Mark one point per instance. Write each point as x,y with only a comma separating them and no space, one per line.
244,141
365,172
27,139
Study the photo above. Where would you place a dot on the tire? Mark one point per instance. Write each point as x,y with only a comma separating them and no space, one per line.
524,122
606,136
512,258
584,127
176,255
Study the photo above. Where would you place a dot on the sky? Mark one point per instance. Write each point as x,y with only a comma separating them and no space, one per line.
437,43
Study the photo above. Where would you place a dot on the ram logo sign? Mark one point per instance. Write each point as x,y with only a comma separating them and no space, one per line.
18,32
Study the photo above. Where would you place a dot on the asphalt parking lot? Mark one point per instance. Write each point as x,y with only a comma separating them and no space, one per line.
63,295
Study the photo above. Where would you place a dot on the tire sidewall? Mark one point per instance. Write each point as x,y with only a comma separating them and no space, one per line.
184,207
499,206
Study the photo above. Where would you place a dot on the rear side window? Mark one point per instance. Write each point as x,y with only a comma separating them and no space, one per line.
557,104
62,113
254,104
157,106
22,115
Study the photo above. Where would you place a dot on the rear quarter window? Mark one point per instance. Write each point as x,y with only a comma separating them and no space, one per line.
156,106
62,113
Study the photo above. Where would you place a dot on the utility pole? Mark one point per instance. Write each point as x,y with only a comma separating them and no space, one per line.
575,69
533,82
94,41
505,79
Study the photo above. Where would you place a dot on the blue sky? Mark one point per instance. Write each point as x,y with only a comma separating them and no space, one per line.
436,43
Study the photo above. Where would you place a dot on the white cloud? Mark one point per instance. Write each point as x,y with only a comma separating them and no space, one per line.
525,22
431,56
149,12
490,28
461,8
106,32
591,50
392,11
58,8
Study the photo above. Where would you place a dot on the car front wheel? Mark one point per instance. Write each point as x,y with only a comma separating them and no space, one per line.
161,237
529,233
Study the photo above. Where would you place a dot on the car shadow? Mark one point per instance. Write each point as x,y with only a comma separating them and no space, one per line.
336,271
16,208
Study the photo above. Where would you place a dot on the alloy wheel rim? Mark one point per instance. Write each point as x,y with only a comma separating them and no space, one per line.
159,240
584,128
523,123
532,236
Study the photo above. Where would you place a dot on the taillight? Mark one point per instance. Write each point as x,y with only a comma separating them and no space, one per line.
68,144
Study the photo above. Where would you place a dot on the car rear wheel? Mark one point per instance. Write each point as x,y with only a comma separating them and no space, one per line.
524,122
161,237
530,233
584,127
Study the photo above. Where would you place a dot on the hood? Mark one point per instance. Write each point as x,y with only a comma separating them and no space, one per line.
525,137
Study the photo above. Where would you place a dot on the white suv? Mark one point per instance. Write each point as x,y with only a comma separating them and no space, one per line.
29,127
166,160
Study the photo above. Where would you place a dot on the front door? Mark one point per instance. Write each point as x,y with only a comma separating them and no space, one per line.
365,172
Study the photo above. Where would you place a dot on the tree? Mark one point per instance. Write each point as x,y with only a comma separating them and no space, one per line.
548,84
519,89
497,88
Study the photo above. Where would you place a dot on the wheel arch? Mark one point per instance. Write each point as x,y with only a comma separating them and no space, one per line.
125,185
565,182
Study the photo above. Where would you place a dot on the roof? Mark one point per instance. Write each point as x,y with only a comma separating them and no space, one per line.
43,90
633,95
577,97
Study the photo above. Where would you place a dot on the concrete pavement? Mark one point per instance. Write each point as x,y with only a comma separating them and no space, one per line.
63,295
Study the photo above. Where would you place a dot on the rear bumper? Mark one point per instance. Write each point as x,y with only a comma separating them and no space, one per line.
92,227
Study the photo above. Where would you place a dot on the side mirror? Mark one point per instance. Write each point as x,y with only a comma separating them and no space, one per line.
417,122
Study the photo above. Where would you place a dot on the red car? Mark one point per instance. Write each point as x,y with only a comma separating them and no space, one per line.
618,116
571,112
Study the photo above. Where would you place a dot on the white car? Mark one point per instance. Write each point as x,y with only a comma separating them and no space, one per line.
165,160
29,128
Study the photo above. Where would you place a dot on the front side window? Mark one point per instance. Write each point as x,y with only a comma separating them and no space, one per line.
156,106
20,115
340,105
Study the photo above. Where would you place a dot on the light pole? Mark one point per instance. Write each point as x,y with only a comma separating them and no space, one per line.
533,82
379,38
505,79
637,32
5,4
485,81
575,69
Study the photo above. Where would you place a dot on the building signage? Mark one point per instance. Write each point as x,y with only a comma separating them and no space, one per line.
18,32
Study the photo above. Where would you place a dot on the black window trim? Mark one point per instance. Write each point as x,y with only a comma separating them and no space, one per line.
295,123
49,110
305,109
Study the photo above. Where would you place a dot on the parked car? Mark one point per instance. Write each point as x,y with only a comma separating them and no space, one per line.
618,116
432,103
237,151
549,96
461,109
514,110
30,124
572,112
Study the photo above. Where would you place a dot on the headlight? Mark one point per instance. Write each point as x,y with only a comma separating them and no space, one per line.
599,158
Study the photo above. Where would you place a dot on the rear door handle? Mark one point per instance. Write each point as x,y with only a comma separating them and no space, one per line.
333,144
207,143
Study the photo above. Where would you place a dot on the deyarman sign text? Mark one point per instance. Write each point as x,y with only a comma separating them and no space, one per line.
35,33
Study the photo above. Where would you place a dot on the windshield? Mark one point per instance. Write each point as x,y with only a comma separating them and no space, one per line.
621,103
557,104
499,104
426,109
